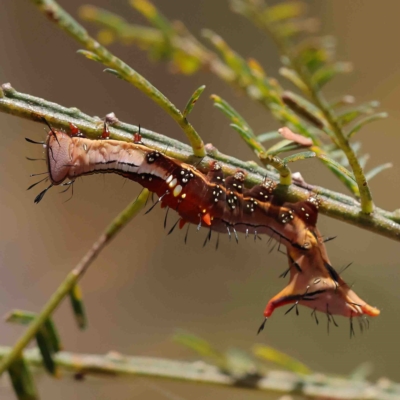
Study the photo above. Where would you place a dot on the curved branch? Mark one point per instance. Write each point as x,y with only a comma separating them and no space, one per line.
333,204
311,386
116,66
72,278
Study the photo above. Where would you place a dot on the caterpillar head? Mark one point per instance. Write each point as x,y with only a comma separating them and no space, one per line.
59,155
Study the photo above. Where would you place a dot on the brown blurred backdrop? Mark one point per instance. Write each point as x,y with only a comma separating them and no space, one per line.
146,285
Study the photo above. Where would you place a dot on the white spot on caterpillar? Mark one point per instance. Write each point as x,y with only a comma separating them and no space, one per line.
183,196
177,190
169,179
173,183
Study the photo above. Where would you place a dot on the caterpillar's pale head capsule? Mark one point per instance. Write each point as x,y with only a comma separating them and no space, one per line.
58,155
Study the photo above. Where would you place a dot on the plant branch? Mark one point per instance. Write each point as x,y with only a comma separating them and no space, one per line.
72,278
333,204
255,12
367,205
312,386
117,67
187,55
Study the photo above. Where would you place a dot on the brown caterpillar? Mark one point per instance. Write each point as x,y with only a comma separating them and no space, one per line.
221,204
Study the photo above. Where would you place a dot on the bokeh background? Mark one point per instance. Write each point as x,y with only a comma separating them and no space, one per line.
146,284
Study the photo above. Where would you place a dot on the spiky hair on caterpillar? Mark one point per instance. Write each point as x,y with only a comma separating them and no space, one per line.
223,204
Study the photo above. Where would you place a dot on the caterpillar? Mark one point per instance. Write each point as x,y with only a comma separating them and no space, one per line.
222,204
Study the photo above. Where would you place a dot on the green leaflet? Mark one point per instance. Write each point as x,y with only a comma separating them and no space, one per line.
75,296
375,171
326,73
365,121
22,380
201,347
277,357
192,101
299,156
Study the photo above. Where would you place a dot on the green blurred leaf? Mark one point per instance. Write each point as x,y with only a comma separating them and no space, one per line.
366,120
323,75
106,37
75,296
163,50
292,76
284,11
192,101
283,147
277,357
299,156
239,124
184,63
249,138
375,171
89,55
343,101
230,112
151,13
47,337
20,317
351,114
313,58
336,168
362,160
114,72
22,380
341,172
45,344
48,328
279,147
265,137
234,60
291,28
52,335
361,372
201,347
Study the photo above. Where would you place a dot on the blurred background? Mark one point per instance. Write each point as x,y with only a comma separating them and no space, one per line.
146,284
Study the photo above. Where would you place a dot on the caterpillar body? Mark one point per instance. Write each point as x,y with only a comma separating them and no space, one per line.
222,204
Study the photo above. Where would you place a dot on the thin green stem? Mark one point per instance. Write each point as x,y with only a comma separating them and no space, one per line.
72,278
285,175
333,204
340,139
60,17
115,364
247,76
367,204
256,85
146,37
